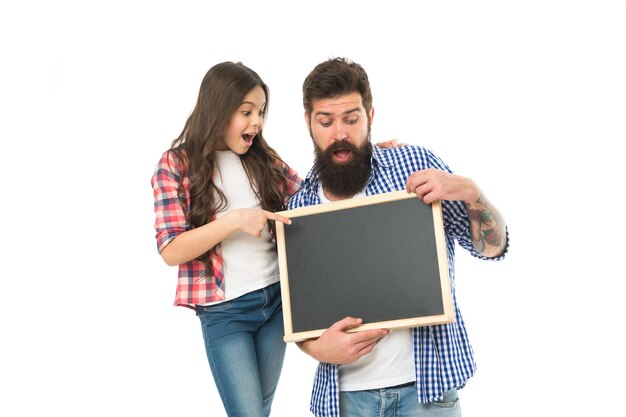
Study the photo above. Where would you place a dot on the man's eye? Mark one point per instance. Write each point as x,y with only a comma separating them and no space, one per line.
326,124
351,121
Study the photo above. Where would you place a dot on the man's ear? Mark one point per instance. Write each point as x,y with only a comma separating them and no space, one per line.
306,119
371,116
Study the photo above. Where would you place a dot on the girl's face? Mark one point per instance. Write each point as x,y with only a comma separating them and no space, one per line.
245,123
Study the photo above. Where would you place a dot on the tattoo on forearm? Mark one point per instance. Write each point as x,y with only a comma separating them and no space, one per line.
486,225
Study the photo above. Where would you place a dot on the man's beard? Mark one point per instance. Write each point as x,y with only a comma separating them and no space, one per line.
344,179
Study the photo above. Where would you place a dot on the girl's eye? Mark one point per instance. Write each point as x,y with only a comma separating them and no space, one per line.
245,113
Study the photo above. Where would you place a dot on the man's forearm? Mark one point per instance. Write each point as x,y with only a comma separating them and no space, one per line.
488,230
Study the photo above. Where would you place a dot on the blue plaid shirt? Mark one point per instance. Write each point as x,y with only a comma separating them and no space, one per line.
443,354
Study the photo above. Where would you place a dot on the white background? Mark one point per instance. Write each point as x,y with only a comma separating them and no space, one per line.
528,98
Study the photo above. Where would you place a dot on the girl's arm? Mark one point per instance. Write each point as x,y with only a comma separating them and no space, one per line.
177,242
193,243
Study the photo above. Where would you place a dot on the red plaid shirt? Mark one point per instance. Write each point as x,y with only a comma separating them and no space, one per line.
171,221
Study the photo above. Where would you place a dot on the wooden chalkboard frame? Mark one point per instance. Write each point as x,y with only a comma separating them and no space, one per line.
381,200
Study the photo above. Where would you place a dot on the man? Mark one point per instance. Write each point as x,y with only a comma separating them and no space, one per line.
411,372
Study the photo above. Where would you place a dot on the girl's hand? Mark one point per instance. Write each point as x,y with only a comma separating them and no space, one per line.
193,243
253,221
391,143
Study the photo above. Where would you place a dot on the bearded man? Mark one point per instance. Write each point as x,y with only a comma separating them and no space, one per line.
409,372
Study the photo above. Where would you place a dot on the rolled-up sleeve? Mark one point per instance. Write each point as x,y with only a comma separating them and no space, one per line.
455,219
170,216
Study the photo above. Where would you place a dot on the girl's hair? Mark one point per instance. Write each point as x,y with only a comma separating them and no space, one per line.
221,93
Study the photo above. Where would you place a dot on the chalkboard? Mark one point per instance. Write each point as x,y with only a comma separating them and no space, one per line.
381,258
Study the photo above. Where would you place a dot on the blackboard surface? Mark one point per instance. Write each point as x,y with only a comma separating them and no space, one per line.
379,260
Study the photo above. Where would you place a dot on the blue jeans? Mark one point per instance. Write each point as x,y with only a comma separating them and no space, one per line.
243,338
400,401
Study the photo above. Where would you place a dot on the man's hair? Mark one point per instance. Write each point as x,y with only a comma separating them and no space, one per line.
333,78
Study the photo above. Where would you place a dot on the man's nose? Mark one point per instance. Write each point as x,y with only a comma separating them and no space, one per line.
341,131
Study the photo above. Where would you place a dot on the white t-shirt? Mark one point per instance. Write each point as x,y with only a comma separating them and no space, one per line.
250,263
390,363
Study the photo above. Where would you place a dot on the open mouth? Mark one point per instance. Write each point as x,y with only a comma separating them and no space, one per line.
342,155
248,138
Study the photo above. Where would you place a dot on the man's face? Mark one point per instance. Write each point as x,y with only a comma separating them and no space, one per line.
341,118
340,131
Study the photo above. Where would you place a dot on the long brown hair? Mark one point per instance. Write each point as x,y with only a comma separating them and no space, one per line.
221,93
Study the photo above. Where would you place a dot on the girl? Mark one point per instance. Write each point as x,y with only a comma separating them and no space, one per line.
215,190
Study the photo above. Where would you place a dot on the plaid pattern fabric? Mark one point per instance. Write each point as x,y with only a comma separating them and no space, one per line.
443,354
194,286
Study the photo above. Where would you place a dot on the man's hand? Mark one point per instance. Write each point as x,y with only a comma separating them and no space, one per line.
433,184
339,347
487,227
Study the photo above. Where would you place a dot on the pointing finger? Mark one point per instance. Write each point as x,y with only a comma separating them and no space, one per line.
277,217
